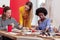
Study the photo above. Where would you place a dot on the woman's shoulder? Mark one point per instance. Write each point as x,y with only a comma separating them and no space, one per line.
12,18
48,19
39,21
21,8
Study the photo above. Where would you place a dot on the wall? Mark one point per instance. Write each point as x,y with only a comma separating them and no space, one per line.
56,12
6,2
18,3
35,18
15,4
53,8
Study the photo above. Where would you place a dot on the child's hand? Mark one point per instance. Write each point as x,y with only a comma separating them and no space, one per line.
20,26
12,25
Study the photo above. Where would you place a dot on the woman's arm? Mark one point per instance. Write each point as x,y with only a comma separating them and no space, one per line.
14,23
31,15
20,17
48,25
1,25
38,25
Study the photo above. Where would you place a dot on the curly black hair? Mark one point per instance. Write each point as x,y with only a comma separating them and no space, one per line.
41,10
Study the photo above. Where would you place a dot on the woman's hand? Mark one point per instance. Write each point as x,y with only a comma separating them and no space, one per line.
20,26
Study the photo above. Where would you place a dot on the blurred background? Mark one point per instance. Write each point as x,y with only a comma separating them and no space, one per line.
52,7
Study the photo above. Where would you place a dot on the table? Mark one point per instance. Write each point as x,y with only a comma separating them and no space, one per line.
18,36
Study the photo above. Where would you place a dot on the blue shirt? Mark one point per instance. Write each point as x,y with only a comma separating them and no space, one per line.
45,24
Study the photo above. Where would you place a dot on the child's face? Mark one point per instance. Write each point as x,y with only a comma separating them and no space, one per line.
41,15
8,13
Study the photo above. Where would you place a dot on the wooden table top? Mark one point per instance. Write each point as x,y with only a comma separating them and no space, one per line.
19,35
